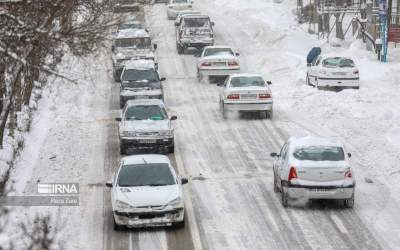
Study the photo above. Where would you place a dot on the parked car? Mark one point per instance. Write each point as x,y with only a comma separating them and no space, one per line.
314,168
147,192
140,80
181,13
126,6
327,71
174,6
246,92
131,44
217,61
145,124
195,31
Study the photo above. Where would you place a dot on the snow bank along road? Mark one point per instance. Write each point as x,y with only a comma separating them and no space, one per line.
230,198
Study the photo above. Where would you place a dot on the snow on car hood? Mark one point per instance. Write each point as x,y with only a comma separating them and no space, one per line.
147,195
140,92
146,125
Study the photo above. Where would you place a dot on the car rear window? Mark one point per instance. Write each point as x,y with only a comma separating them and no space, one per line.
243,81
319,153
201,22
218,51
334,62
151,174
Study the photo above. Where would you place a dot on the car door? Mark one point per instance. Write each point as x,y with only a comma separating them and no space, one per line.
280,164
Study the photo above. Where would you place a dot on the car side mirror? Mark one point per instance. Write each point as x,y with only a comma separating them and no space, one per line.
212,23
308,64
176,24
118,119
274,155
237,54
163,79
349,155
184,181
269,82
109,184
155,46
112,48
174,117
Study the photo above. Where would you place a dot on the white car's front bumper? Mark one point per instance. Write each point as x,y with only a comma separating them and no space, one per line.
149,219
265,106
339,82
218,71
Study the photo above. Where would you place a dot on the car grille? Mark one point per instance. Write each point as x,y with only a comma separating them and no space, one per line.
147,134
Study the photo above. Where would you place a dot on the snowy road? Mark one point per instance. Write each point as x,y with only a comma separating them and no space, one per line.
230,199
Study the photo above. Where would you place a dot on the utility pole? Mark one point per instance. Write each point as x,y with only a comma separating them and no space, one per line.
383,28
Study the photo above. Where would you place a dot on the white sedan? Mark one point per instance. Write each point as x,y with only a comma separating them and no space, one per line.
174,6
246,92
314,168
146,192
217,61
327,71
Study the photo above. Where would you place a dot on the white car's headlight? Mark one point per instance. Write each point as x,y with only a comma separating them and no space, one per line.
120,205
177,202
129,133
165,133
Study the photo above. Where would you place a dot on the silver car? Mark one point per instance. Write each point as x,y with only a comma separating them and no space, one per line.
314,168
145,124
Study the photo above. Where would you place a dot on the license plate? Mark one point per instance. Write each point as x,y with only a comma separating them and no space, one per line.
339,73
320,190
220,64
148,141
248,96
142,97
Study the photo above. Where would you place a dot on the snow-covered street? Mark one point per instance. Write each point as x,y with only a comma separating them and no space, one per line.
230,201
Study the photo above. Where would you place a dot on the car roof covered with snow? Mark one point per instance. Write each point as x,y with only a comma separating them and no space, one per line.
188,12
195,16
143,159
218,47
245,75
132,33
145,102
309,141
140,64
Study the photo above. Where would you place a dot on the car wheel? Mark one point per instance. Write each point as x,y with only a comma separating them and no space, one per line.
199,76
349,203
356,87
122,149
276,188
180,49
171,149
270,114
180,224
285,198
223,110
118,227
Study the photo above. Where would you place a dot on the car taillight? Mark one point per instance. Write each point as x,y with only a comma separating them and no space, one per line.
206,64
348,174
355,71
233,96
292,173
233,63
264,96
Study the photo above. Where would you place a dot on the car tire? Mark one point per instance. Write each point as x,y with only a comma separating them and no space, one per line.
270,114
349,203
180,49
285,198
199,76
223,110
276,188
171,149
356,87
178,225
118,227
122,149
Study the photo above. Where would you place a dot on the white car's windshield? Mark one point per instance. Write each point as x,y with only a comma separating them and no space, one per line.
139,43
145,112
201,22
334,62
319,154
151,174
254,81
148,75
218,51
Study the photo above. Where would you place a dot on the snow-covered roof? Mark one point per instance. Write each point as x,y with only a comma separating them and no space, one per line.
145,102
189,12
140,64
132,33
245,75
313,141
195,16
148,158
